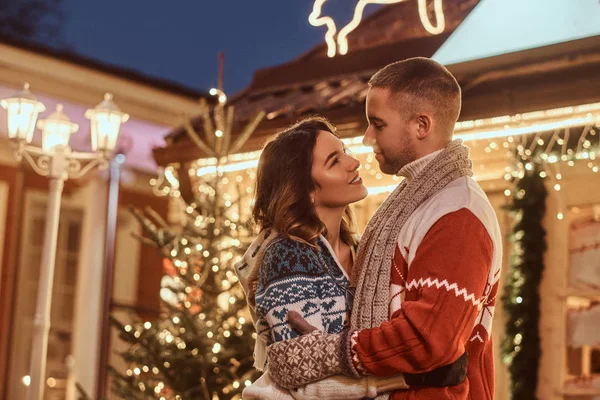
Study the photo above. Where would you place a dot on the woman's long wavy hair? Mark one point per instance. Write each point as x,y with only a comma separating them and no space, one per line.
284,183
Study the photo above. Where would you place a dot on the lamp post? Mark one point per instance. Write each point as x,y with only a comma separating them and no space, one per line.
58,162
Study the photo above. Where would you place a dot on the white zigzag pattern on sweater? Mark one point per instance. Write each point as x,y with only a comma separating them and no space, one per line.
415,284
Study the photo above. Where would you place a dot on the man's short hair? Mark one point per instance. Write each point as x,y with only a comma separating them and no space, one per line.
426,83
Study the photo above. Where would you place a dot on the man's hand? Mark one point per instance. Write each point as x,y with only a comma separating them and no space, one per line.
297,321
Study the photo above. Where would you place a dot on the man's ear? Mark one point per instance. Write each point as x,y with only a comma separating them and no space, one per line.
424,125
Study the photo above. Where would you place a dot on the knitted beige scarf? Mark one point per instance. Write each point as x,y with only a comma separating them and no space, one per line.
372,268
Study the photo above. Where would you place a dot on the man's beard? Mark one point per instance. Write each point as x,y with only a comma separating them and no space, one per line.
387,167
391,165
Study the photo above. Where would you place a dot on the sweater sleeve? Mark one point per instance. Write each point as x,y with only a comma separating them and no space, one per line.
341,387
444,288
289,280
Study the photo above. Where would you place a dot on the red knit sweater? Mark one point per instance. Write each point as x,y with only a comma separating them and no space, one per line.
442,303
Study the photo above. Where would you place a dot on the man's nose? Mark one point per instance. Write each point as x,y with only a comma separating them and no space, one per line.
368,138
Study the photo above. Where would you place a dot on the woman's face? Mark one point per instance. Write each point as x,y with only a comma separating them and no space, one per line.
335,173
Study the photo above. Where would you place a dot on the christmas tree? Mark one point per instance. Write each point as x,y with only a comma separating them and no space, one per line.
201,347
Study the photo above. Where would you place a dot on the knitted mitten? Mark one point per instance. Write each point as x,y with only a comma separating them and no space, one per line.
309,358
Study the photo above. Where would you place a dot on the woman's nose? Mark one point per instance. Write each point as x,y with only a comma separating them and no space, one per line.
354,164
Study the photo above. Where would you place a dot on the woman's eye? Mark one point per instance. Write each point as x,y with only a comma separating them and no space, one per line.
335,161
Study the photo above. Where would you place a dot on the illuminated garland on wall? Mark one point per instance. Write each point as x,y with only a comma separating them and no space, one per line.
521,300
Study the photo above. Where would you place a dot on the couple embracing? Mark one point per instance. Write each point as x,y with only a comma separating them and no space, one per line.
406,311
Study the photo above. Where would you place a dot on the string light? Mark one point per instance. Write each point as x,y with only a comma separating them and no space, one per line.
222,96
510,127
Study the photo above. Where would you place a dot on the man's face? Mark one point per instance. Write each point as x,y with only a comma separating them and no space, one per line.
391,130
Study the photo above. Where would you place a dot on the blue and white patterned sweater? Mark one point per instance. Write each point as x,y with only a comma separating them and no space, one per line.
295,277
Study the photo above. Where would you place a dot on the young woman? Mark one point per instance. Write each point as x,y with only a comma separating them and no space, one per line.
302,259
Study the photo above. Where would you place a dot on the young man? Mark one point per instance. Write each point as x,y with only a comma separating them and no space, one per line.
428,265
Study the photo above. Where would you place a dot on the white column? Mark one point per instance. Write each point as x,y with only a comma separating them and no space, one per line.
4,193
553,308
86,324
125,289
498,200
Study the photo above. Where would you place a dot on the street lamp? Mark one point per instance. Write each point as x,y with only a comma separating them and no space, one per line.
22,109
58,162
105,122
56,130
